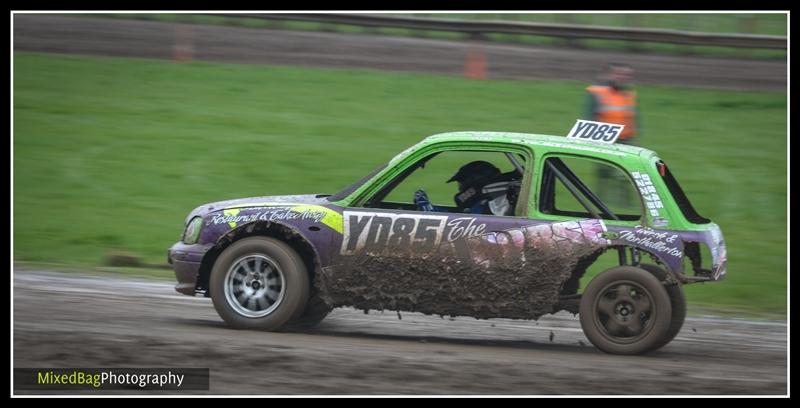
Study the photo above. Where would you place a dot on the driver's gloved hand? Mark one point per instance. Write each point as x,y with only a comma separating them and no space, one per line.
421,201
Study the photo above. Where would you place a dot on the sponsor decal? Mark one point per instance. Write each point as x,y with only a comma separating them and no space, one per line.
375,233
314,213
659,241
231,217
464,227
649,194
538,240
330,218
595,131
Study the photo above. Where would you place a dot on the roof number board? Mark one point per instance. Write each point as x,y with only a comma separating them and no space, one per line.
595,131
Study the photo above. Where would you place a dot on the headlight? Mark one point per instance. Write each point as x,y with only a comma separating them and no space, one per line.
192,231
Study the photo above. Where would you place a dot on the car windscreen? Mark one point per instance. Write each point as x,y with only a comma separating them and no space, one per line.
680,197
353,187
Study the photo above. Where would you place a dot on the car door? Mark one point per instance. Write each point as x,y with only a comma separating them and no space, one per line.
393,256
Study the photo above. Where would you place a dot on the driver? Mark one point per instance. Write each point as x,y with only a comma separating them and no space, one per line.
482,189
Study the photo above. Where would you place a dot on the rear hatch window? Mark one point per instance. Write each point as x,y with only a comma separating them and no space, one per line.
680,197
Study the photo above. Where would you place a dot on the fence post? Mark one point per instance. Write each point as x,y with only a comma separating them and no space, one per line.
183,47
747,25
514,18
475,64
569,19
634,20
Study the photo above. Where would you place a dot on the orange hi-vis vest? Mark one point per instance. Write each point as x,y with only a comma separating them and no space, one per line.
618,107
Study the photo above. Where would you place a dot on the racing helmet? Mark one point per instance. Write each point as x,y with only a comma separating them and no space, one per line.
471,178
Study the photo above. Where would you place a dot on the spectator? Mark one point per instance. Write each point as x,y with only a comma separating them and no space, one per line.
613,101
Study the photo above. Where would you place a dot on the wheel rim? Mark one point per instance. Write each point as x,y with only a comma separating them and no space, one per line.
254,285
624,311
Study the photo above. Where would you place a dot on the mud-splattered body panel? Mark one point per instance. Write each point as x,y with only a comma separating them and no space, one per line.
451,264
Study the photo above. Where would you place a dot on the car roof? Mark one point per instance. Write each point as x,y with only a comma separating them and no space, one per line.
559,142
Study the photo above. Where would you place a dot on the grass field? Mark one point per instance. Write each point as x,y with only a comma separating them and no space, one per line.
111,154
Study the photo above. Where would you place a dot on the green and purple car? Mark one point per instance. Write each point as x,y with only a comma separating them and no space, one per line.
283,262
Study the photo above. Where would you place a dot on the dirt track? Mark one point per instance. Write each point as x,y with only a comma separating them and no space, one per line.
71,320
109,37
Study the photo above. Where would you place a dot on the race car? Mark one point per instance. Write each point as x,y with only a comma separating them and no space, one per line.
481,224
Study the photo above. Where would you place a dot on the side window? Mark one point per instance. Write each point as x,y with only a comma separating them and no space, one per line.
478,182
582,187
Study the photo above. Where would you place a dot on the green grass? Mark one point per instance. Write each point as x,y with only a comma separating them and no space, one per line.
95,270
110,154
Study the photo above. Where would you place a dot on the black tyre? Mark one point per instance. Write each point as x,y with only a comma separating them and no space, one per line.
677,300
625,310
259,283
315,312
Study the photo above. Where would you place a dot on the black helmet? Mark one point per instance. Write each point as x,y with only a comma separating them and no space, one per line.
471,178
474,173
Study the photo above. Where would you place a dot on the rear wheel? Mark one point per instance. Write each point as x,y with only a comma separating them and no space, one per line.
259,283
625,310
677,299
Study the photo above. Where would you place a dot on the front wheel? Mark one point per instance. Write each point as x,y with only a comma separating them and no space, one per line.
625,310
315,312
259,283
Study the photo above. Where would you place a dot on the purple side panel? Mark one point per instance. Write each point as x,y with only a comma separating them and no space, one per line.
455,264
666,245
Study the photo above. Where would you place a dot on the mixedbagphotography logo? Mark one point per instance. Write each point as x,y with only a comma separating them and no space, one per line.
111,378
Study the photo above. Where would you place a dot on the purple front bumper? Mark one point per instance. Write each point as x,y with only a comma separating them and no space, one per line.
185,260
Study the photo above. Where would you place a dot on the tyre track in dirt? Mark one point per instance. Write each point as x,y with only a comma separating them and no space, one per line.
79,320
